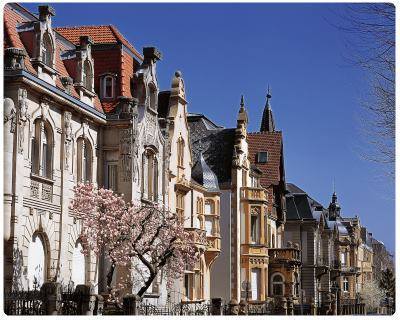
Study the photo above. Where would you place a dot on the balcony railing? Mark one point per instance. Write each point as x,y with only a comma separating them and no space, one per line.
252,193
291,255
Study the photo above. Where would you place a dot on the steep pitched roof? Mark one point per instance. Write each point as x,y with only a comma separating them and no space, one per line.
216,144
273,170
101,34
15,15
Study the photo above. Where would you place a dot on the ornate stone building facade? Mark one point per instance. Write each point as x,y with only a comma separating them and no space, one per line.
82,105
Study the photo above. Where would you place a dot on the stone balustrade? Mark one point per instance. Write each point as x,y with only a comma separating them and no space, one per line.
252,193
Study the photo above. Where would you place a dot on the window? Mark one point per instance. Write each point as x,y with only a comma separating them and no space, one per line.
180,148
277,285
209,226
200,212
112,176
150,175
262,157
108,87
85,160
209,207
254,228
254,182
47,50
87,76
296,285
180,206
345,284
269,235
343,258
255,284
188,285
41,149
244,178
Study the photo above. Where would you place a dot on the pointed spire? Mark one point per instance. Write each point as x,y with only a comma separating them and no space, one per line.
242,111
267,122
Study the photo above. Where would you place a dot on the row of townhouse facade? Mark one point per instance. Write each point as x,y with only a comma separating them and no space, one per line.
83,105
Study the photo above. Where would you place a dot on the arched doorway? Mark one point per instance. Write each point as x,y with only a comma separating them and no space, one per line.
36,262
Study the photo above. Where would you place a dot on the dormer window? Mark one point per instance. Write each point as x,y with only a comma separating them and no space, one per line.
262,157
108,87
87,77
47,50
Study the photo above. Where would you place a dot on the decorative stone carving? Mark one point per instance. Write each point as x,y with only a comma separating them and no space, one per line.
47,192
34,189
44,106
151,128
67,137
23,117
125,140
14,59
10,114
67,82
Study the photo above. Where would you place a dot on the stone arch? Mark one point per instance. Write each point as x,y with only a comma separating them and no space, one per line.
40,222
277,278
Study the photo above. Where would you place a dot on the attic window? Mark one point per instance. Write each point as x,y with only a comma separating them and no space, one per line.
108,87
262,157
87,78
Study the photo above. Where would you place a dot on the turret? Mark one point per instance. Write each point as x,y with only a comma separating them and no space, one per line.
334,208
267,122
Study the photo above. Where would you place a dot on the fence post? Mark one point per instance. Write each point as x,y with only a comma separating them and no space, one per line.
99,305
290,306
243,307
216,306
86,300
233,307
312,307
52,296
131,304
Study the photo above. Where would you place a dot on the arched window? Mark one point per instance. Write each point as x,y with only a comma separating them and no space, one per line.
108,87
200,212
78,271
150,175
278,288
181,149
42,149
47,50
85,160
36,262
87,77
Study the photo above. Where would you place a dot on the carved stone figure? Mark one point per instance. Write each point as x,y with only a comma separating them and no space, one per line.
23,117
126,154
68,137
10,114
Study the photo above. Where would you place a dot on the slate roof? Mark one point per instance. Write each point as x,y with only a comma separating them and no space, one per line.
216,144
300,205
273,170
202,174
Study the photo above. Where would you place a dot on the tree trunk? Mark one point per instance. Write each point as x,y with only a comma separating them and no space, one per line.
110,276
147,284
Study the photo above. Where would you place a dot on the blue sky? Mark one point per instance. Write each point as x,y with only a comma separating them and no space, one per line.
225,50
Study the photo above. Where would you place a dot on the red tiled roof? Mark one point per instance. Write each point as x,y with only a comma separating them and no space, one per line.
272,143
101,34
12,39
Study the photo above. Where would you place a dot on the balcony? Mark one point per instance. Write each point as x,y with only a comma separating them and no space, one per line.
322,266
213,249
198,236
253,194
285,255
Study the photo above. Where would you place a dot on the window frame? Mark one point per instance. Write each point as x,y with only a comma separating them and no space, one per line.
259,153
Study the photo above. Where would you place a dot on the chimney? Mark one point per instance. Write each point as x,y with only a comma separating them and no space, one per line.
46,12
151,54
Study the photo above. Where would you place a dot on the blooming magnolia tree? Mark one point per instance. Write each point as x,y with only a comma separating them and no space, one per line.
372,295
145,238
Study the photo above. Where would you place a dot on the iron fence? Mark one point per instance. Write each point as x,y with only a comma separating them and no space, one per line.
29,302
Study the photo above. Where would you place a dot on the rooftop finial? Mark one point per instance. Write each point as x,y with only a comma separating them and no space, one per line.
242,102
267,122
